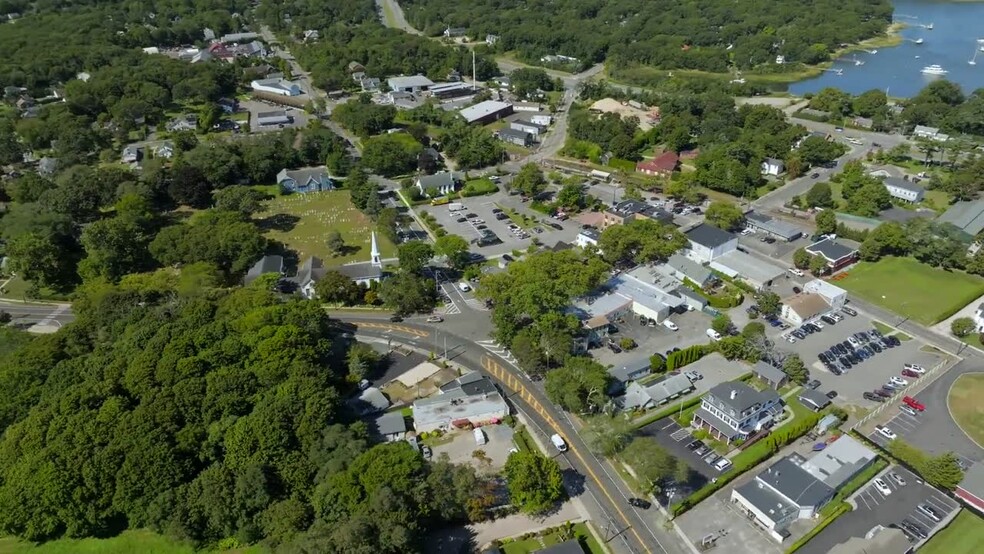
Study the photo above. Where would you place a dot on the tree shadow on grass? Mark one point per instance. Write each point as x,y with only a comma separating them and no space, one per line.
278,222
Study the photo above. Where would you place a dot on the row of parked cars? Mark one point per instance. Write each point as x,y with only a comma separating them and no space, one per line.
707,454
840,357
895,384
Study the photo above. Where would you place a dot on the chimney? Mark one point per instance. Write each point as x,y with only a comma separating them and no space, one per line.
734,394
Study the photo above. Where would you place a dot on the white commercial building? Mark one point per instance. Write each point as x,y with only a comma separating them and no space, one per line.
904,189
412,83
278,86
803,307
834,295
708,243
487,111
470,399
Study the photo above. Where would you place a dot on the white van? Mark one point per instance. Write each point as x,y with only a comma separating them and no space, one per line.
456,207
464,287
479,437
558,441
713,334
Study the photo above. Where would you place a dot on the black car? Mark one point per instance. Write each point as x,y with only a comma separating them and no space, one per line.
855,359
845,362
832,394
823,357
471,216
396,318
814,175
460,220
828,320
640,503
799,334
694,445
835,370
873,397
884,393
797,290
500,216
814,384
496,211
915,528
874,346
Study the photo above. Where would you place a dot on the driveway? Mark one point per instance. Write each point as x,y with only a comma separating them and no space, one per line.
715,522
462,447
933,430
874,508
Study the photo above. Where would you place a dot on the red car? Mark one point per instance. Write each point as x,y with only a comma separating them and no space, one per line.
910,373
913,403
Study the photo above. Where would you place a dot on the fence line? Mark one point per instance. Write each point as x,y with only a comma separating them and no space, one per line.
916,387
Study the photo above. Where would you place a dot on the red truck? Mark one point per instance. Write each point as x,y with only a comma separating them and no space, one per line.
914,404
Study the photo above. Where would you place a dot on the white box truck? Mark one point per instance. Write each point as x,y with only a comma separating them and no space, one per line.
479,437
558,441
456,207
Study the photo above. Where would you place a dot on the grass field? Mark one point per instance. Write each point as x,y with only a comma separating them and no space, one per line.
303,221
530,545
965,404
143,541
964,535
912,289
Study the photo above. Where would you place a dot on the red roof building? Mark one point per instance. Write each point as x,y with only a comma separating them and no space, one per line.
661,165
971,489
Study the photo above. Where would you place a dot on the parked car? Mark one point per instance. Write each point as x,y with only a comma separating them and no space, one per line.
886,432
897,478
896,380
906,409
849,311
914,404
910,373
694,445
914,368
882,487
693,375
711,458
930,512
640,503
426,451
722,465
713,334
873,397
702,449
914,528
884,393
435,319
832,394
814,384
670,325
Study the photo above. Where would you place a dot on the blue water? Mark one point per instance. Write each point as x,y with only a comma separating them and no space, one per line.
951,43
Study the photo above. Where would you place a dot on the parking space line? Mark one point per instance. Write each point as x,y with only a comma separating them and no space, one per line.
937,503
866,505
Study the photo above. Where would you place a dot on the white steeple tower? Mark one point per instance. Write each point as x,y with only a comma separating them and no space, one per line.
376,259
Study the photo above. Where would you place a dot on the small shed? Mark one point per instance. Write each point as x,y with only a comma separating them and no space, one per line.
827,423
774,376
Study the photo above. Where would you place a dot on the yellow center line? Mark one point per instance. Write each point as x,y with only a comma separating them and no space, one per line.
390,327
513,383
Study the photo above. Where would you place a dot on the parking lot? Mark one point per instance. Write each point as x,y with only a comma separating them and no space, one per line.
649,340
867,376
872,507
461,448
299,118
716,520
512,239
933,430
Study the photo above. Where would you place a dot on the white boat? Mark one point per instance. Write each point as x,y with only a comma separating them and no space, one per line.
934,70
919,41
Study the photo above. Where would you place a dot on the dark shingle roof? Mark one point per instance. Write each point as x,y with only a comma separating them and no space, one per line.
795,483
709,235
745,397
832,250
769,373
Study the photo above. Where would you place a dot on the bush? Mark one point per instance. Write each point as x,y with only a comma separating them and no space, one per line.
686,356
656,363
962,326
626,343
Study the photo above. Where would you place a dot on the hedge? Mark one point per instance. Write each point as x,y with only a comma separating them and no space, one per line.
686,356
716,301
842,509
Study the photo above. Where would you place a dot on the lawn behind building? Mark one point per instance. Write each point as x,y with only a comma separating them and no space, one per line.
964,535
911,289
303,222
965,404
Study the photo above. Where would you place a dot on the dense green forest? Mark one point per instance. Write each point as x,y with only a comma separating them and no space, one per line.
691,34
212,416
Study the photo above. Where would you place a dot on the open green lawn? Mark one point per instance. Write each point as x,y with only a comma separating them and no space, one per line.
912,289
142,541
964,535
965,404
303,221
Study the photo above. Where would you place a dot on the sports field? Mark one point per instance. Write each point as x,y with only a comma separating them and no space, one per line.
965,405
303,222
911,289
964,535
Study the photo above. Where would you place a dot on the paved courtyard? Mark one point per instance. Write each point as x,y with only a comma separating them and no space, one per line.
462,447
716,520
650,340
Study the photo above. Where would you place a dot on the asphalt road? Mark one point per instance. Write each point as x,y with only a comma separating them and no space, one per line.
392,16
30,314
605,495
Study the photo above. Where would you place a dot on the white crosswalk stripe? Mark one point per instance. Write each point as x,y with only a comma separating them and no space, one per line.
497,349
452,309
476,304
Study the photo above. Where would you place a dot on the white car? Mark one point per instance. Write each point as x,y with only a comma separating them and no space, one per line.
464,287
790,339
435,319
818,323
796,272
886,432
882,487
670,325
713,334
897,478
896,380
915,368
908,410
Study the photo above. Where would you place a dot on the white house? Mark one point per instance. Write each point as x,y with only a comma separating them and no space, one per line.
931,133
540,118
527,126
733,410
904,189
772,166
276,85
979,318
587,237
444,182
708,243
832,294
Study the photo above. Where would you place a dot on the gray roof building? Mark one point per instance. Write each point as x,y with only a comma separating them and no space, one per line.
966,216
781,229
690,269
370,401
392,423
515,136
472,398
276,117
831,249
655,394
410,82
266,264
796,484
736,398
768,502
770,374
840,461
486,111
361,272
630,371
709,235
814,399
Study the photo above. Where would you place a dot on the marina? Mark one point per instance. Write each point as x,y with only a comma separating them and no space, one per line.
941,39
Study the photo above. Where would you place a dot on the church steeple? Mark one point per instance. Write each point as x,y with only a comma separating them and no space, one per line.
376,259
